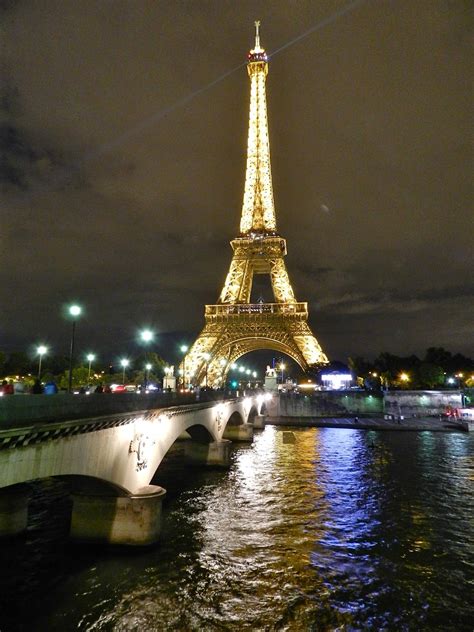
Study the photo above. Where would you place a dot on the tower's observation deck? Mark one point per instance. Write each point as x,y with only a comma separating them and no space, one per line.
236,326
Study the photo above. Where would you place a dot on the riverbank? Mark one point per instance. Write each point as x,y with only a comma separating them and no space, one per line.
433,424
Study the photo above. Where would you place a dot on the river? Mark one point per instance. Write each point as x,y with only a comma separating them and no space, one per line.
313,529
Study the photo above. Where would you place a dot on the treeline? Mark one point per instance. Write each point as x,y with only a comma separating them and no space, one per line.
56,367
438,368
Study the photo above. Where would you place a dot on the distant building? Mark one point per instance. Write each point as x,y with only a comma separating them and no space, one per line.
335,381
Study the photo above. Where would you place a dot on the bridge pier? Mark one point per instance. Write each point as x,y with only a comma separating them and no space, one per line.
216,453
259,422
133,520
13,511
244,432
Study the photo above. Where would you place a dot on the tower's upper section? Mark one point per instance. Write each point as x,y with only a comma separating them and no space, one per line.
258,211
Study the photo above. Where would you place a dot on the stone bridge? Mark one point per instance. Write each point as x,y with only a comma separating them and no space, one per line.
110,460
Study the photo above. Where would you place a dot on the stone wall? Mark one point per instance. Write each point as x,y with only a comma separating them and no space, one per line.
344,403
328,404
421,403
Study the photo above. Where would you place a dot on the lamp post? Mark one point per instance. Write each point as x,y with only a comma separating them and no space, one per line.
90,358
41,351
146,336
184,350
147,374
74,311
282,368
124,364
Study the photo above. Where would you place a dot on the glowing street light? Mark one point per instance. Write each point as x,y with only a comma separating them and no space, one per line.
90,358
147,373
124,362
75,311
282,369
404,377
41,350
147,335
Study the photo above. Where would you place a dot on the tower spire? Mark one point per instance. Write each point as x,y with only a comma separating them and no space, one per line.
258,212
257,36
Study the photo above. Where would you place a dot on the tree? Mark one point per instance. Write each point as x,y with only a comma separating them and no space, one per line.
3,361
430,375
79,377
439,356
359,366
18,363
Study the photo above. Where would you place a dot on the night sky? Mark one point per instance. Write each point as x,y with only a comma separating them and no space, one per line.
124,128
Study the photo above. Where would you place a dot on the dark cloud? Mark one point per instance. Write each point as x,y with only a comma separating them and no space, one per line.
123,163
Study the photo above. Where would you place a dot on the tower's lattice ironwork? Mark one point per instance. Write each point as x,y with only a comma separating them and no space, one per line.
236,326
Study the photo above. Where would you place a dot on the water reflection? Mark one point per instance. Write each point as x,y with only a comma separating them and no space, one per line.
340,529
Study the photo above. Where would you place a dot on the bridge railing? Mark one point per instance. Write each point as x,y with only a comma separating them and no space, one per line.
286,309
23,410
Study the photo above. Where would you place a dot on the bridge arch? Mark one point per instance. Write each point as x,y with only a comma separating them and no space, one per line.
199,433
235,419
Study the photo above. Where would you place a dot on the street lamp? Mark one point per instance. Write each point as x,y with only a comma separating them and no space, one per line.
404,377
90,357
147,373
41,350
147,336
282,368
74,311
184,350
124,364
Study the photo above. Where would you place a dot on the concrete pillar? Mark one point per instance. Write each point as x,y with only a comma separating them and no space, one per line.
13,510
133,520
259,422
216,453
244,432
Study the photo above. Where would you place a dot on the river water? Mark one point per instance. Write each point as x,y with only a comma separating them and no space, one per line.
313,529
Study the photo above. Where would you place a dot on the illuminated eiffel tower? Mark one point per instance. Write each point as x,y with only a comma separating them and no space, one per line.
236,326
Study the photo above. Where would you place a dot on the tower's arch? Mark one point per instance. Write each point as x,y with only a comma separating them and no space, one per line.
226,355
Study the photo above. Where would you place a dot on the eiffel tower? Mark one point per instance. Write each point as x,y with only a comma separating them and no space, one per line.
235,326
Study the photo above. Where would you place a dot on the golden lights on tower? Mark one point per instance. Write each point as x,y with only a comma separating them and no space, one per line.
235,326
258,211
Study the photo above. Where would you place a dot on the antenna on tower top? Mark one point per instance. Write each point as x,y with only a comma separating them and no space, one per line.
257,35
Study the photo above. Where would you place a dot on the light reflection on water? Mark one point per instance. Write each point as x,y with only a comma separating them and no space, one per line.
342,529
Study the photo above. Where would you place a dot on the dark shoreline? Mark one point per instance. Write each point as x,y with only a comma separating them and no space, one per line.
431,424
